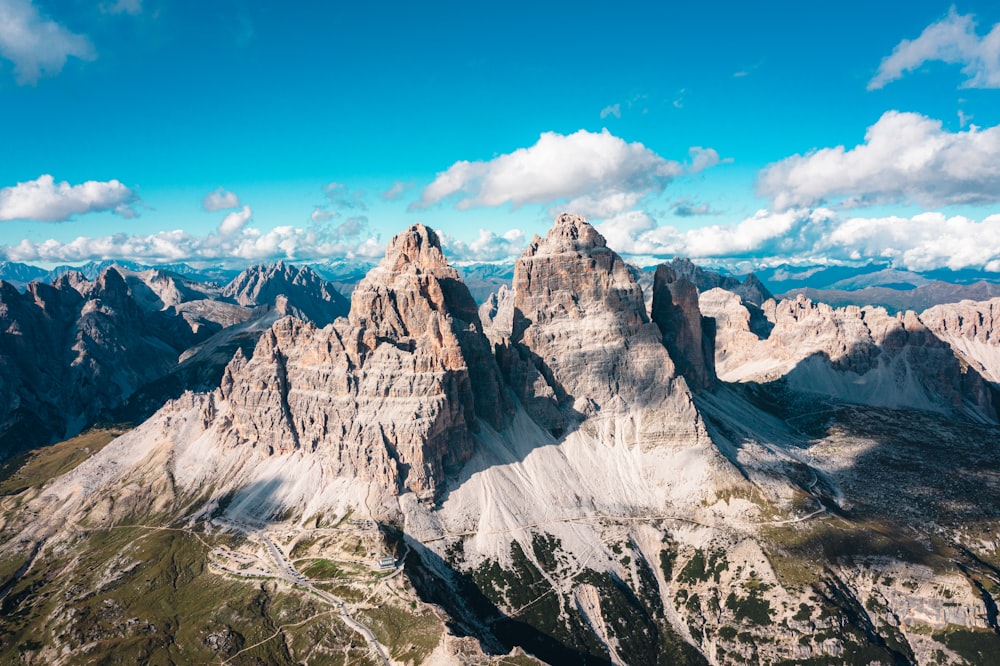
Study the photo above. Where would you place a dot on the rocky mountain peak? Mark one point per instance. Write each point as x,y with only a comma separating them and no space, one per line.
110,280
110,293
750,290
54,301
419,247
569,233
581,342
860,355
308,295
571,273
413,291
74,280
392,393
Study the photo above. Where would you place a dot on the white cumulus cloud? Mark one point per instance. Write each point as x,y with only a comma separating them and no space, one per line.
37,46
705,158
220,199
906,157
45,200
953,40
923,242
487,246
235,221
802,236
595,174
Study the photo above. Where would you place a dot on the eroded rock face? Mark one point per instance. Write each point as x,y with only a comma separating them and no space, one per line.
751,289
71,350
395,391
310,296
861,355
971,329
581,340
497,313
675,310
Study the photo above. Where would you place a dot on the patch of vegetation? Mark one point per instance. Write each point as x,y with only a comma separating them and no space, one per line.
347,592
545,548
134,595
647,587
455,552
668,557
316,520
412,634
639,629
701,569
302,546
804,613
322,570
976,646
753,608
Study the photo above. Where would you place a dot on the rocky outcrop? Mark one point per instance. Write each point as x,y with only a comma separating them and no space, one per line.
497,313
675,310
394,392
307,294
750,289
972,329
861,355
582,342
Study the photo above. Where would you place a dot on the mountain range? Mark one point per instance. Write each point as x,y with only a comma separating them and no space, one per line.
594,465
79,351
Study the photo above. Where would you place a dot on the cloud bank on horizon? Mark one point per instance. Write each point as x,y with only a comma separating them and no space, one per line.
909,189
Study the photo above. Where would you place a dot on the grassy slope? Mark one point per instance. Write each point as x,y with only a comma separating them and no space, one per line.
134,595
33,468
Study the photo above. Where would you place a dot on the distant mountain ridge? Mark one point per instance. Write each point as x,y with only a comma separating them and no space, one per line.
74,351
899,300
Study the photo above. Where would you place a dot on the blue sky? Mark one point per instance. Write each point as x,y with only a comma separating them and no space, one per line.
740,133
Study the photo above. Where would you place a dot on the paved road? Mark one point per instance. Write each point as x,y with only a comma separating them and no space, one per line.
289,573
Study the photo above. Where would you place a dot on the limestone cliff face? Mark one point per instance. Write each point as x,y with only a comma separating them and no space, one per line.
394,392
581,341
861,355
971,329
675,310
497,313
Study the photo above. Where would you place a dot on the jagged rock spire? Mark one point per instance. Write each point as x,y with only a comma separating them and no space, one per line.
582,341
394,392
